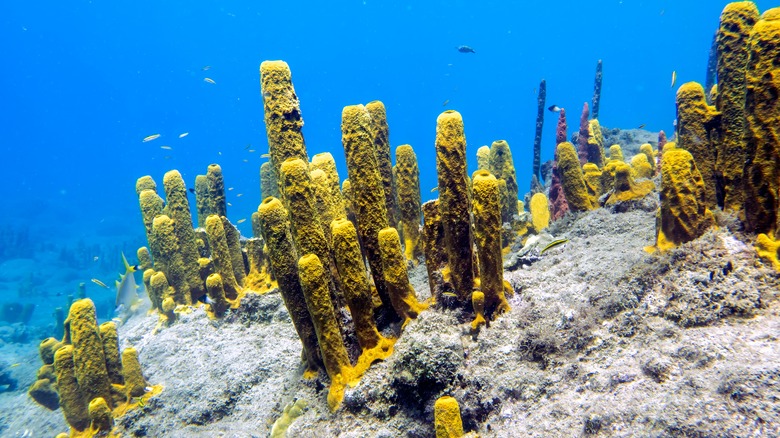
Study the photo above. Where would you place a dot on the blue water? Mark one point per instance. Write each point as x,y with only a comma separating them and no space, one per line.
84,82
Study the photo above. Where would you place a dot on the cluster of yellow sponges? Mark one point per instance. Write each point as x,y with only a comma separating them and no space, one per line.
84,375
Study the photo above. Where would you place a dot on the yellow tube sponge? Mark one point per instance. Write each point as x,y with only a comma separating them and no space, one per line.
402,294
354,281
408,184
762,169
684,215
216,293
478,303
269,181
736,22
315,288
616,153
151,206
647,149
368,197
324,161
144,258
540,212
220,255
625,188
72,400
216,191
47,348
455,202
323,200
178,209
233,238
283,258
593,181
170,260
695,120
376,110
769,250
135,383
202,199
446,414
101,418
161,290
88,356
502,167
145,183
487,234
483,154
433,242
572,179
110,340
595,144
640,167
283,121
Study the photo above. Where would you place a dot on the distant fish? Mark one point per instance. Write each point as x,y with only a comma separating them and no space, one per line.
166,147
126,289
229,204
248,146
206,67
445,102
674,78
245,161
435,189
553,244
466,49
100,283
209,80
239,195
15,365
554,108
230,188
191,190
241,221
642,126
151,137
252,150
184,134
265,156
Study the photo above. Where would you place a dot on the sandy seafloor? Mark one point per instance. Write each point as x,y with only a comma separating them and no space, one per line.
603,339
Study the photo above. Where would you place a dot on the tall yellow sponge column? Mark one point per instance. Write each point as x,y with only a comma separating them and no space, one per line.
762,169
487,234
134,378
408,183
178,209
283,258
455,202
500,164
283,121
694,123
220,254
110,339
446,413
72,401
357,291
540,212
433,243
376,110
683,215
368,196
736,22
572,178
325,162
88,356
334,355
402,294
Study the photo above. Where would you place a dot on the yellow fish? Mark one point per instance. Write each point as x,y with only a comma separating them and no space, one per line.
14,365
100,283
553,244
241,221
674,78
209,80
151,137
166,147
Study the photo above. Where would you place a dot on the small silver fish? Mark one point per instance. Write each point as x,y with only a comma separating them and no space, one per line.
209,80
